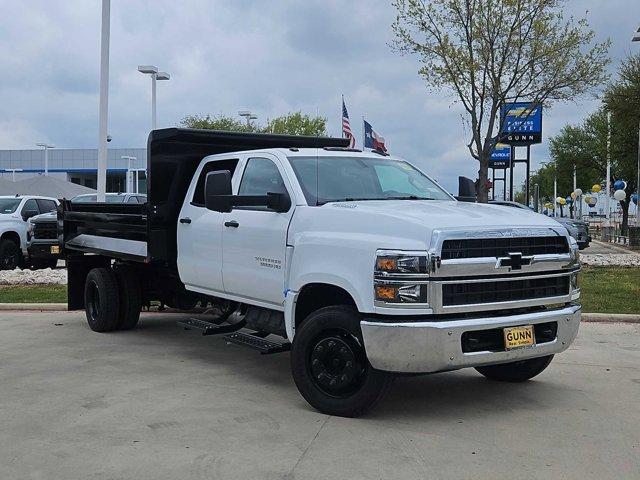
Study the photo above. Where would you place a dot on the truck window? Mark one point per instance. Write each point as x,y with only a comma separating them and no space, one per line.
260,176
30,204
215,166
47,205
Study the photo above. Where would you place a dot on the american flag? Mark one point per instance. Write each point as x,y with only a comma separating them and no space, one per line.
346,126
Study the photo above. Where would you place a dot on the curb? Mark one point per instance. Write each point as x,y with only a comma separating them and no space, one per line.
42,307
610,318
56,307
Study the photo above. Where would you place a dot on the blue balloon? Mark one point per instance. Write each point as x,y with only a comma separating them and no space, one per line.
619,185
634,198
569,200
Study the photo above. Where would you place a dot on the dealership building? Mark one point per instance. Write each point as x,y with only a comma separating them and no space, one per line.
79,165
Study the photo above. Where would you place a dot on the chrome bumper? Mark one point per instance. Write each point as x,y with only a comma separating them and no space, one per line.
434,346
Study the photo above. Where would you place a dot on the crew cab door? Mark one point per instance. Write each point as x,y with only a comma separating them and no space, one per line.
254,238
200,235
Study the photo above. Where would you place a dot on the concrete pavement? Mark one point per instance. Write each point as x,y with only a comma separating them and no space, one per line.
163,403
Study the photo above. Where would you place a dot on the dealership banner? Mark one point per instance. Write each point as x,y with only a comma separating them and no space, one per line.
500,156
521,123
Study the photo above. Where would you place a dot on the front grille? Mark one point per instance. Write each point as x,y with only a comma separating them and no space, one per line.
501,247
513,290
45,230
493,340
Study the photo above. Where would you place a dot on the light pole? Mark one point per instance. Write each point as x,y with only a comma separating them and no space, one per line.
46,147
152,70
13,172
249,116
104,101
608,182
636,38
129,172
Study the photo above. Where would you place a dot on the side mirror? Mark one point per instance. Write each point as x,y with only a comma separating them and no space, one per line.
217,191
278,202
28,214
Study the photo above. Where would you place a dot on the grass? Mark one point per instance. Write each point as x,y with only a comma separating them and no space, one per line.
610,290
604,290
33,293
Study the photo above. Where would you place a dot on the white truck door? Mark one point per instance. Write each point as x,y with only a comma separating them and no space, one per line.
200,235
254,238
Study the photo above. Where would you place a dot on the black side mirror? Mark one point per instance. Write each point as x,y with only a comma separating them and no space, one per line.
217,191
28,214
278,202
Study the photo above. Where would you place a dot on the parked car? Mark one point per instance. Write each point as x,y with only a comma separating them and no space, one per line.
361,263
578,229
15,212
42,233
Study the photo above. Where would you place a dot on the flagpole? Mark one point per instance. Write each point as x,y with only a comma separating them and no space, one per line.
341,113
364,144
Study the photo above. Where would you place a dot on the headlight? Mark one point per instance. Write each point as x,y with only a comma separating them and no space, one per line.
389,263
401,292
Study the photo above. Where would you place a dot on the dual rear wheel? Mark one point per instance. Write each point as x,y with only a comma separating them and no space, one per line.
112,299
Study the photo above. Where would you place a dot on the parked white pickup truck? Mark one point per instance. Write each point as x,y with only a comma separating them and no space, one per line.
15,212
362,263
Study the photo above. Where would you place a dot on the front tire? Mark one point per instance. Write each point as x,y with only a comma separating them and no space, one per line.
516,371
330,366
101,300
10,255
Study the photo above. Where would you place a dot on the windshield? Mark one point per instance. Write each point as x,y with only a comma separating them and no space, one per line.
343,179
8,205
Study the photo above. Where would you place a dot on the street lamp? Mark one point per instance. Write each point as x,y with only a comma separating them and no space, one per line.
248,115
103,112
13,172
131,180
152,70
46,147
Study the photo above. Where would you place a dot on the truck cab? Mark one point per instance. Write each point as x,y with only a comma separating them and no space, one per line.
360,262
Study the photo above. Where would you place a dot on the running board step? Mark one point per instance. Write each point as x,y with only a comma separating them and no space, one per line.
209,328
264,346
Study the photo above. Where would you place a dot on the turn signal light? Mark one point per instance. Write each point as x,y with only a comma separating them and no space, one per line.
386,293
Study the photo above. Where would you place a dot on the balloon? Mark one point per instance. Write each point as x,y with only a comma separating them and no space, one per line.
569,200
619,195
619,185
561,201
578,192
592,201
587,198
634,198
573,195
596,188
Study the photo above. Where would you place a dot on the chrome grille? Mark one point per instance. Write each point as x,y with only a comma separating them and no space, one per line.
501,247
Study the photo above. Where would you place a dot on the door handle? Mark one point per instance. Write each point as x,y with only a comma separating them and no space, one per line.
185,220
232,223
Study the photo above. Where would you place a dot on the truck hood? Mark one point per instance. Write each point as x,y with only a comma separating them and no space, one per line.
444,214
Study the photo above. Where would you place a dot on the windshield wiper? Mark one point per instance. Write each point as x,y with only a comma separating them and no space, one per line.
408,197
362,199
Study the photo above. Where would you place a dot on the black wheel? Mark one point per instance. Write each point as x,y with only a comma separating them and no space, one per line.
516,371
130,299
330,366
101,300
10,254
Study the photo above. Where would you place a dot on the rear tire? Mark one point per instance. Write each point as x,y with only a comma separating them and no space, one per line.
330,366
516,371
130,299
101,300
10,254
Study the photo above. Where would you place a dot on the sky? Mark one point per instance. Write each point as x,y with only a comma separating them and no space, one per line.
271,57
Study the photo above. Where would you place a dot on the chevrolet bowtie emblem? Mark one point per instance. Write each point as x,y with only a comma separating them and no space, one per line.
514,260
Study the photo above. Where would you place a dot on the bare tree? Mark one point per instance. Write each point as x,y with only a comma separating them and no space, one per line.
490,52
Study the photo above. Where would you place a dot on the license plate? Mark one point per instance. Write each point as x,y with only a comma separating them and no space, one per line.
518,337
55,249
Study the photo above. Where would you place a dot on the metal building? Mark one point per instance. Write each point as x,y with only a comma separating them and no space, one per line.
79,165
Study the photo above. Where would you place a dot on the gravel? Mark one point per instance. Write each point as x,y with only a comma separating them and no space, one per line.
46,276
610,259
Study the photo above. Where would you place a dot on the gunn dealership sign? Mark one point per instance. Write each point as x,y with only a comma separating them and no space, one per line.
521,123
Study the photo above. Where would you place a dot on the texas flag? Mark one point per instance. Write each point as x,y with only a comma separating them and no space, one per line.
372,139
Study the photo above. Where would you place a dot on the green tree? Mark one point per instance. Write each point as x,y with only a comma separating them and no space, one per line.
488,52
295,123
622,99
298,123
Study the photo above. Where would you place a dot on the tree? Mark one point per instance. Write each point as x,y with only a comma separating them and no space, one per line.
622,99
489,52
295,123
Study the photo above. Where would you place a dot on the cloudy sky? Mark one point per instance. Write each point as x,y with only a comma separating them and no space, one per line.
223,56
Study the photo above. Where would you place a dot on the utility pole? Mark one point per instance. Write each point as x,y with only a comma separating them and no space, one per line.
608,182
248,116
104,101
46,148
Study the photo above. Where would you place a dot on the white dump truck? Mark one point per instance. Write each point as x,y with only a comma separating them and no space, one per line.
357,262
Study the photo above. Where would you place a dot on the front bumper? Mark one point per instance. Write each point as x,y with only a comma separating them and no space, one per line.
434,346
41,249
